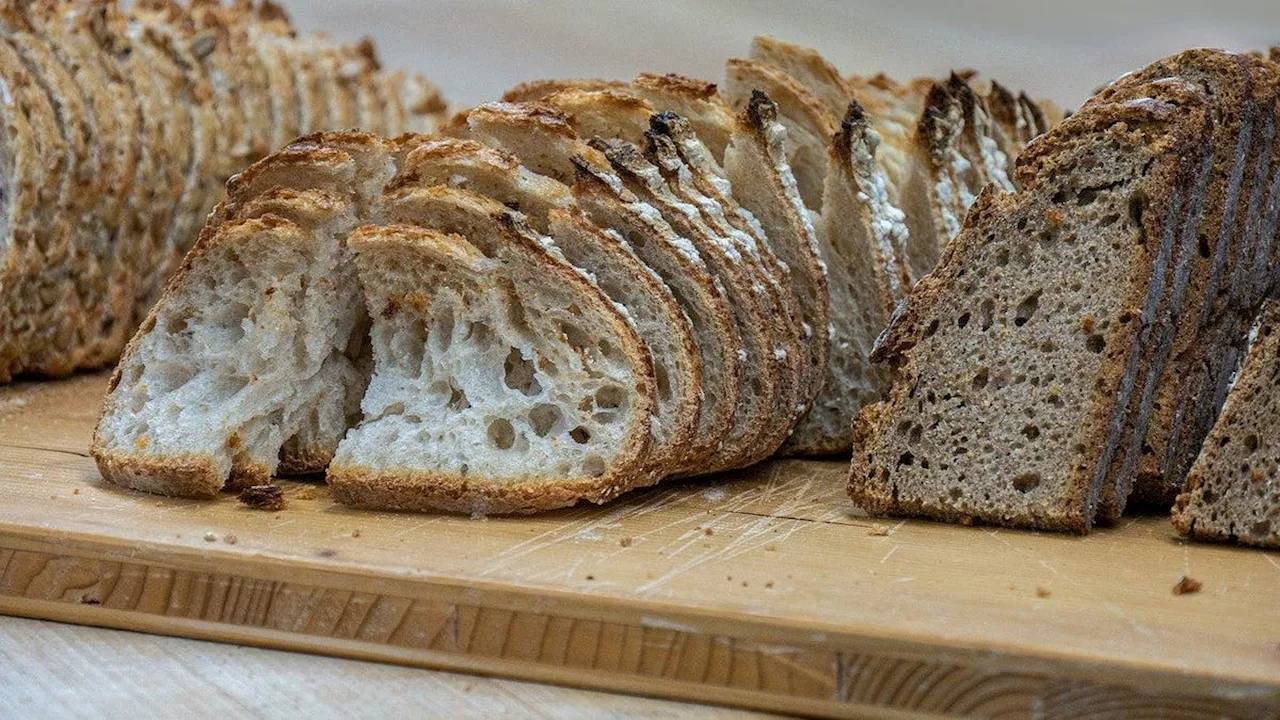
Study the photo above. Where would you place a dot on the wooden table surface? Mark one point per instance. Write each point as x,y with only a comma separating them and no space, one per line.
474,50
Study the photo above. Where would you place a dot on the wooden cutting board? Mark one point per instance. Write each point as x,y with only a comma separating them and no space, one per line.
764,589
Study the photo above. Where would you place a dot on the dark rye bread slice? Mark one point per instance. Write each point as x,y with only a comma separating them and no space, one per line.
1216,294
549,207
512,385
860,243
755,164
545,143
1232,493
1012,386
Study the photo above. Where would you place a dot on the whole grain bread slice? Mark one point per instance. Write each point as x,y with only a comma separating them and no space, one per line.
512,360
1012,389
1231,492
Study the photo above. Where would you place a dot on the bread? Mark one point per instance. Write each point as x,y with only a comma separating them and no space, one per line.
1230,493
1018,355
140,117
543,140
514,386
550,208
1220,294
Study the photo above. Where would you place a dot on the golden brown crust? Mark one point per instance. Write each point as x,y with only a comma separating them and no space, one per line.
537,90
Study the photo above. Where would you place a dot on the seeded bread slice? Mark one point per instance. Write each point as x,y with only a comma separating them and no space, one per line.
1231,493
1011,388
549,206
504,379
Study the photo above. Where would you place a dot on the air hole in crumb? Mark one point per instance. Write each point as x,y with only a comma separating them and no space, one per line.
1204,246
606,348
1262,528
610,396
1087,196
1027,309
1002,257
577,338
1026,482
962,320
580,435
1095,343
906,459
916,433
593,466
981,379
544,418
501,434
933,328
1251,443
986,314
956,493
480,335
518,374
1055,400
458,400
664,382
1031,432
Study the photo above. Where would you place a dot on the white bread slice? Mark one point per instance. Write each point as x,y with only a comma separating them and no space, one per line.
810,124
545,143
549,207
1230,494
697,101
504,380
807,67
860,242
1012,390
756,166
537,90
233,359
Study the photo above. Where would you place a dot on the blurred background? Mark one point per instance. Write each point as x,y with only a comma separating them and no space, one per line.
475,49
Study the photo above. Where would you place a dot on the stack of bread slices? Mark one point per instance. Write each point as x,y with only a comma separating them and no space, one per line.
121,128
1077,337
585,288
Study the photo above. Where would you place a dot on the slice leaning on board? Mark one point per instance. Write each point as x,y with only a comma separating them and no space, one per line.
1049,356
123,125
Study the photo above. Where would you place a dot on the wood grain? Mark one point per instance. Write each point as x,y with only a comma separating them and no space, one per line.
762,590
68,671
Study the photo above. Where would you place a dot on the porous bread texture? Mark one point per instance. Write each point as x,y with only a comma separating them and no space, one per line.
756,165
545,142
1017,355
513,385
549,207
1225,284
860,243
138,116
243,347
1232,493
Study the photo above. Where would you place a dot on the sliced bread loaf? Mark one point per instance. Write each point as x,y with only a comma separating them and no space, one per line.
1018,354
514,384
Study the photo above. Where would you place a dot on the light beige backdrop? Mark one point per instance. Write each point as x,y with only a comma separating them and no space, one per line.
474,49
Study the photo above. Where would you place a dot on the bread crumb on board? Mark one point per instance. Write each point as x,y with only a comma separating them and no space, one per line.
263,497
1042,592
210,536
625,542
230,539
878,530
355,533
307,493
1187,585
